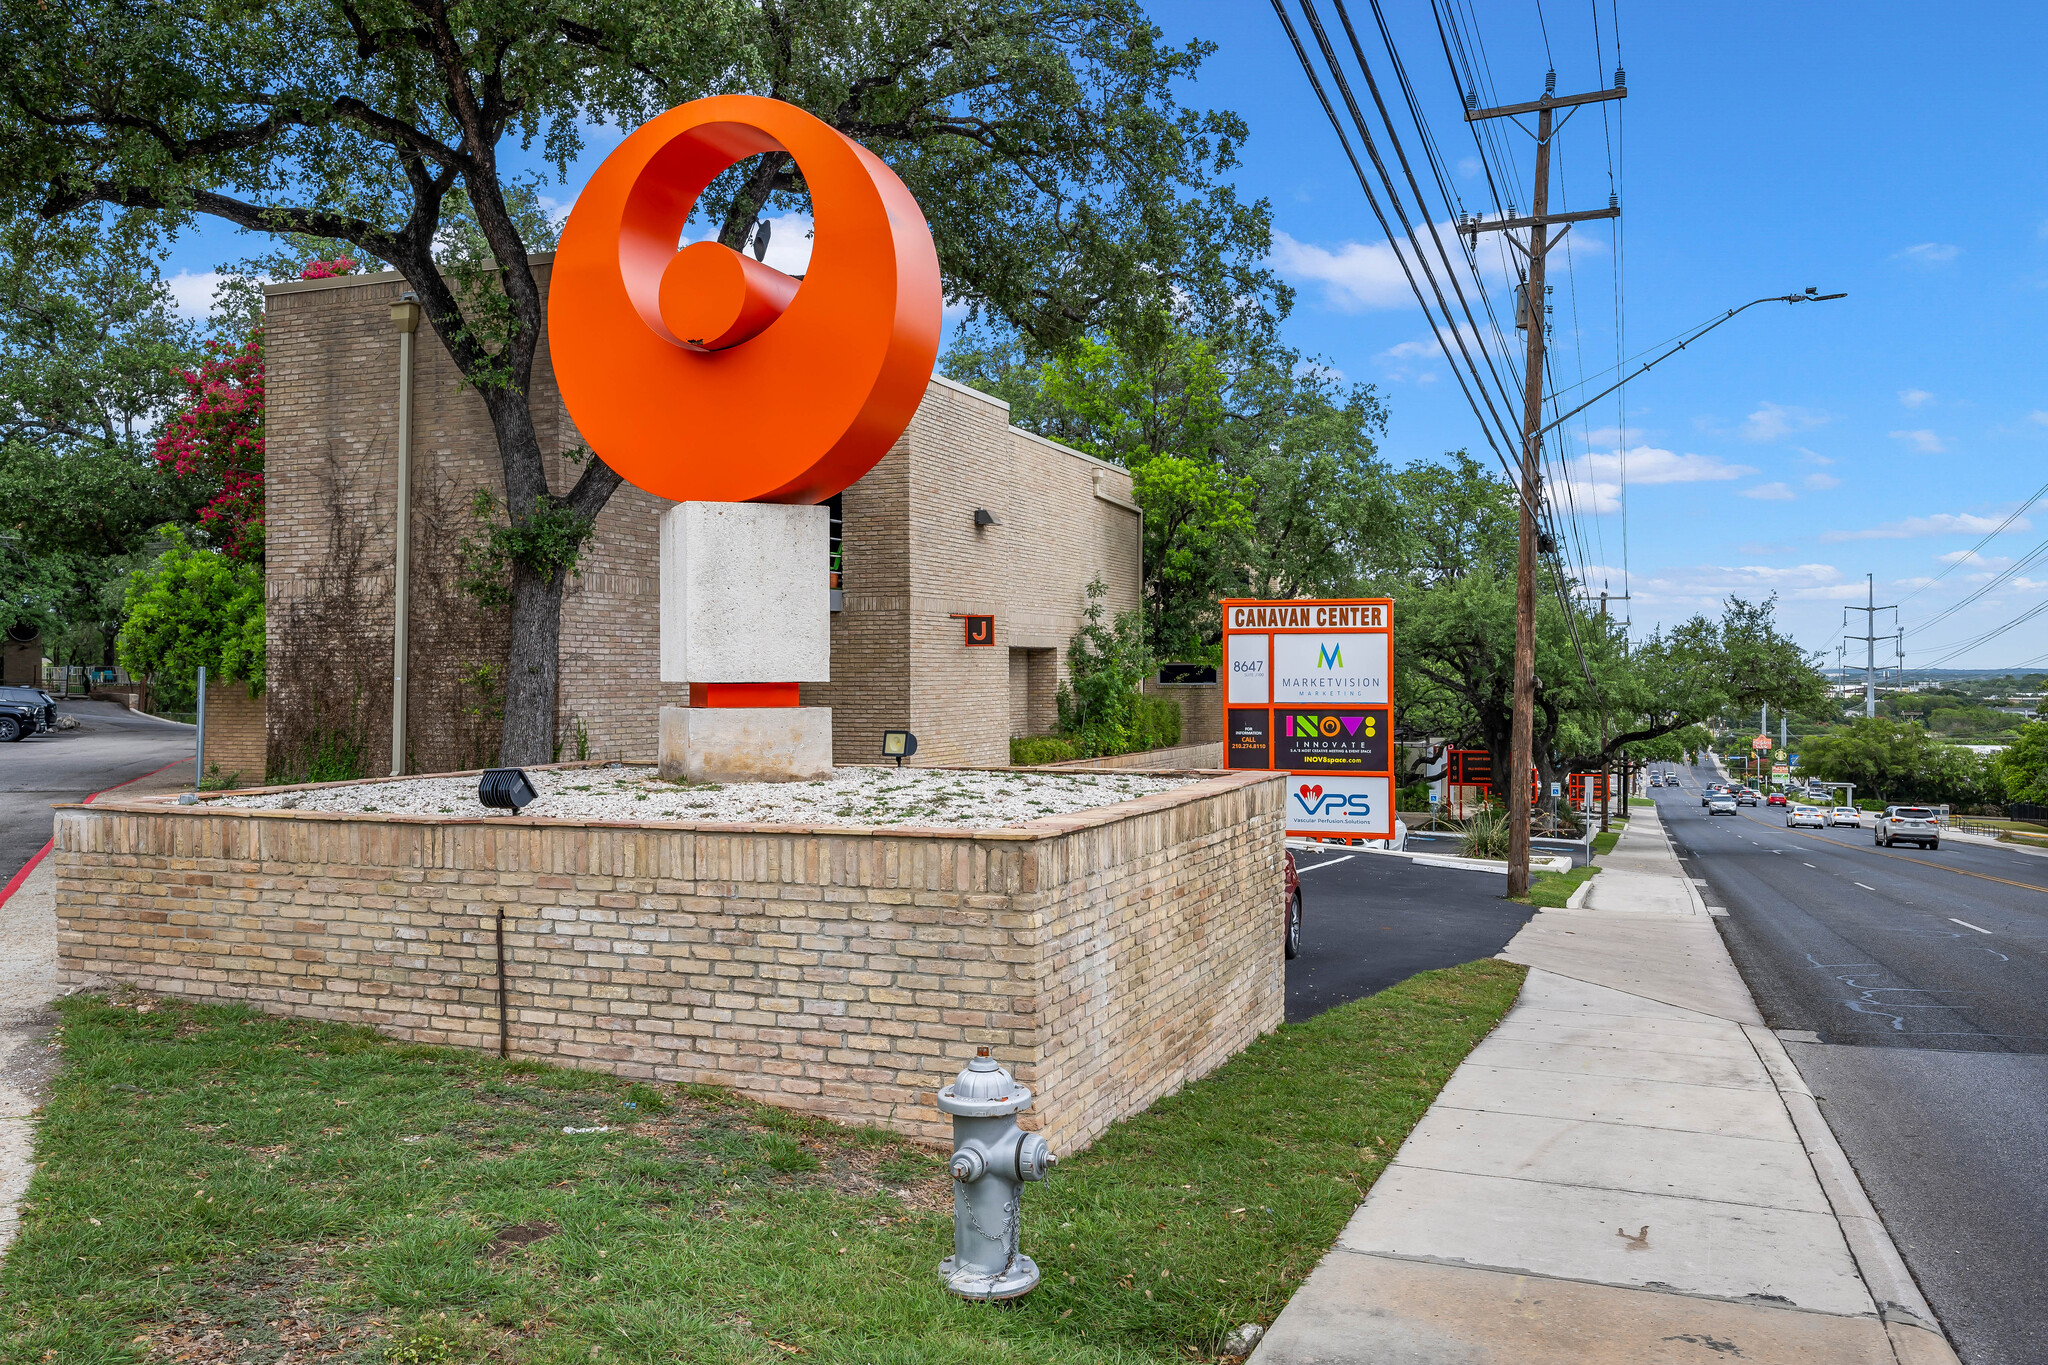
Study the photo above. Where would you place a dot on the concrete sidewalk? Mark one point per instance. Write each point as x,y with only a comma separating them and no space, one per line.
1628,1169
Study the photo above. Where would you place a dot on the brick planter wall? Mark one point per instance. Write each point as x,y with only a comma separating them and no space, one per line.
1108,957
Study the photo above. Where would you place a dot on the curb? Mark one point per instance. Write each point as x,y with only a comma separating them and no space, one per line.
1915,1332
13,883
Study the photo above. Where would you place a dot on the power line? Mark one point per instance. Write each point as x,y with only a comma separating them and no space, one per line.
1336,125
1975,549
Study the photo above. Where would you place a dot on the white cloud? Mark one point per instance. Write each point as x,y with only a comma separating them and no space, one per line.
192,294
1770,492
1359,276
1702,587
1775,421
789,242
2038,416
1928,253
1596,479
1913,398
1355,277
1940,524
1972,557
1923,440
1468,166
1820,483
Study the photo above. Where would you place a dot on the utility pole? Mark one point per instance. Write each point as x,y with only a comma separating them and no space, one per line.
1522,738
1869,639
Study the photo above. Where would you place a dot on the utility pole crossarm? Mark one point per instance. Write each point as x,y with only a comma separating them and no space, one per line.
1620,92
1472,227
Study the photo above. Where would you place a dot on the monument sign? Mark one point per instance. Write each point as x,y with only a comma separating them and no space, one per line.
1309,691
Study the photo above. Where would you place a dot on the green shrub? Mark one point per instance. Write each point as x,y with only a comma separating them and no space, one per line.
1156,724
1025,753
1486,834
190,608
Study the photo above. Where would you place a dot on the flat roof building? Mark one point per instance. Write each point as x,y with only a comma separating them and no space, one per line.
967,517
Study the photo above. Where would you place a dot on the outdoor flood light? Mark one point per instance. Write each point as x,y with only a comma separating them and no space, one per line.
898,744
506,789
984,517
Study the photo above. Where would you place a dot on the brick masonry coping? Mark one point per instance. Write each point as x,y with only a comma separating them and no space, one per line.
1209,782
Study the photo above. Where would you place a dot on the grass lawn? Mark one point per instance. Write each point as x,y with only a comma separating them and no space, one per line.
1550,890
217,1185
1604,843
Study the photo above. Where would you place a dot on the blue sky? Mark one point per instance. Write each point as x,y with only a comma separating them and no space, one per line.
1874,148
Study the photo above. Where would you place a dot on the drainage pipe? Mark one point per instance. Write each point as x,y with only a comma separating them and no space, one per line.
405,316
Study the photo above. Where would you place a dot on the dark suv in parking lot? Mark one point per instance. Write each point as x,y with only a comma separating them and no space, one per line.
25,711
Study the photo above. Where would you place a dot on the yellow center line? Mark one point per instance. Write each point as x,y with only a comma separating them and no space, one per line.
1886,853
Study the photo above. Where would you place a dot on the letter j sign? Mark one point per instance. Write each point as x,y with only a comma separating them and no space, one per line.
981,630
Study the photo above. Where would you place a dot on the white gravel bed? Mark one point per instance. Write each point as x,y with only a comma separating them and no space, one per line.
926,798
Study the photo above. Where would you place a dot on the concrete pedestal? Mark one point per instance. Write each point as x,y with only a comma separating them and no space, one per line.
746,743
745,593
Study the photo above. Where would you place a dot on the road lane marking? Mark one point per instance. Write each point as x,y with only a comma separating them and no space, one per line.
1959,871
1311,867
1966,924
1809,865
1866,888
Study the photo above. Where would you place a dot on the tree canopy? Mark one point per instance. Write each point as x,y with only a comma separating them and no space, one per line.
1065,186
1258,474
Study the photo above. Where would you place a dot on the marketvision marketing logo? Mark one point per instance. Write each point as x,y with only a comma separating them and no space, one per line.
1329,656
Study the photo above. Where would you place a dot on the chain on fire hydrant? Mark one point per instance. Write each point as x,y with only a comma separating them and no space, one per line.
992,1158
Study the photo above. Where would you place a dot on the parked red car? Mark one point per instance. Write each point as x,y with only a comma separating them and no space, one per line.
1775,799
1290,912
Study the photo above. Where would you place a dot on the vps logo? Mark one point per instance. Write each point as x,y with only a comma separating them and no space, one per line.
1313,801
1330,656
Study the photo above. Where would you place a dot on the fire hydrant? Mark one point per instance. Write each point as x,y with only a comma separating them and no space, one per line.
992,1158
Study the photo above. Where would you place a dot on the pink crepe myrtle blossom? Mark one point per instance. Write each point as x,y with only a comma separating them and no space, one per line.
216,441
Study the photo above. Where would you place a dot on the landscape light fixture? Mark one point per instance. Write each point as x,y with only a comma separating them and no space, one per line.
898,744
984,517
506,789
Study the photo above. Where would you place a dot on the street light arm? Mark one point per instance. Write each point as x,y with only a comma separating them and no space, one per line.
1774,298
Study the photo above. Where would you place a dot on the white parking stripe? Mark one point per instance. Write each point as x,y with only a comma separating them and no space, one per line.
1866,888
1311,867
1966,924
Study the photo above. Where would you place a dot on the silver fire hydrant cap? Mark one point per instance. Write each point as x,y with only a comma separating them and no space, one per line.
984,1090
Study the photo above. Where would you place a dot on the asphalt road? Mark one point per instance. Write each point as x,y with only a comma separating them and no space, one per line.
1369,920
1911,988
111,745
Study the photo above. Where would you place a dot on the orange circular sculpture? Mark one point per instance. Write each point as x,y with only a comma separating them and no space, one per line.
703,375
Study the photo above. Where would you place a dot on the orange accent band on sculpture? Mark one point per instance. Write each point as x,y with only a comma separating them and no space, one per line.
810,382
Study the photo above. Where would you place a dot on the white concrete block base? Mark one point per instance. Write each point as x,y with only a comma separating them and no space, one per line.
745,743
746,593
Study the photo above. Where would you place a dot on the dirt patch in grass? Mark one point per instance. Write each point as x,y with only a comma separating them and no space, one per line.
220,1186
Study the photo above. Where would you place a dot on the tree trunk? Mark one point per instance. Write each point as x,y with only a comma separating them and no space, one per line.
532,666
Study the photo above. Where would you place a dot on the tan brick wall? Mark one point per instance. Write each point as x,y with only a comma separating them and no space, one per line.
1109,957
912,557
235,733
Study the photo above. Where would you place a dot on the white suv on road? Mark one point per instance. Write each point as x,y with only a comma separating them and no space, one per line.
1908,825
